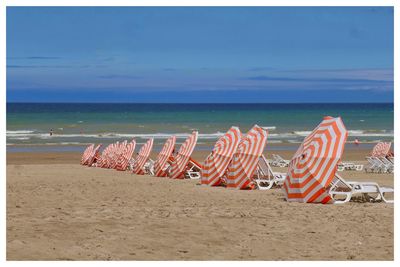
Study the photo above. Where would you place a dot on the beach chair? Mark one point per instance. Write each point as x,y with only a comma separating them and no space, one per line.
193,169
149,167
388,165
350,166
266,178
370,191
374,165
278,161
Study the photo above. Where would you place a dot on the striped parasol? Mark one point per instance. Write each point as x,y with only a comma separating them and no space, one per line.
314,165
103,158
181,160
381,149
217,161
163,156
119,150
125,158
94,155
86,153
244,162
143,156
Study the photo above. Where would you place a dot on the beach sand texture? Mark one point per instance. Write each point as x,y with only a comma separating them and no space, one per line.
60,210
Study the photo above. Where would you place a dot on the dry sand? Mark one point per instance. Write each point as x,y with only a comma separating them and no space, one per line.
59,210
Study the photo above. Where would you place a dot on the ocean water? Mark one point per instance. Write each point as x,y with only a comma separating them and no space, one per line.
78,124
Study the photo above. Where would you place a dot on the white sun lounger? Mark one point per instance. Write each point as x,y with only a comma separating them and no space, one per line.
350,166
149,167
278,161
369,190
193,171
266,177
374,165
388,165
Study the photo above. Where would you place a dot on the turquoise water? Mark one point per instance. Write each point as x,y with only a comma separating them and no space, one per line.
287,123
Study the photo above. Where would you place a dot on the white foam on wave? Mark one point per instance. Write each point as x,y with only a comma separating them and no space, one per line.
18,132
269,127
20,138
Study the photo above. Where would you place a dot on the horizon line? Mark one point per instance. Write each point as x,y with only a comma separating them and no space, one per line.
191,103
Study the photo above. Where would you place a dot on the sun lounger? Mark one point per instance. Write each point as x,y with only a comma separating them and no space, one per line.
266,178
278,161
387,164
193,169
350,166
370,191
149,167
374,165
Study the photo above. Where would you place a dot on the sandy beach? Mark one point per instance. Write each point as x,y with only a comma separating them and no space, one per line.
60,210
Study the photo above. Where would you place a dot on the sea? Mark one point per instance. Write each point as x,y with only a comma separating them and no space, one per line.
74,125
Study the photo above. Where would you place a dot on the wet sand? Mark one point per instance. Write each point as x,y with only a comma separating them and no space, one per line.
60,210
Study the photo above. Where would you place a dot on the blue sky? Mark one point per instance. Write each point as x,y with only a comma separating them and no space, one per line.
182,54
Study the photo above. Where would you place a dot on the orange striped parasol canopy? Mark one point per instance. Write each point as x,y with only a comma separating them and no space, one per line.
163,156
86,154
126,156
216,163
182,158
381,149
103,158
143,156
244,162
314,165
94,155
117,153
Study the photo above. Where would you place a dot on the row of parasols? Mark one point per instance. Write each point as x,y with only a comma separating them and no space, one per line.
235,160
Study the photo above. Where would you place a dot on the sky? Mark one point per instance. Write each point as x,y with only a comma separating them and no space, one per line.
200,54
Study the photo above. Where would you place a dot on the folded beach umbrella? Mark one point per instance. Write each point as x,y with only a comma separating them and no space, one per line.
182,158
86,154
94,155
103,158
110,155
119,150
381,149
217,161
163,156
314,165
143,156
244,162
126,156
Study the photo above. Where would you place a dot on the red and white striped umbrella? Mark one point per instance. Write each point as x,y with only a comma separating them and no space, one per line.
314,165
86,153
181,160
163,156
103,158
126,156
94,155
141,159
217,161
381,149
244,162
119,150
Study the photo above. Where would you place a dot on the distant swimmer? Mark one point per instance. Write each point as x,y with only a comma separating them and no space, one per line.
356,142
51,132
